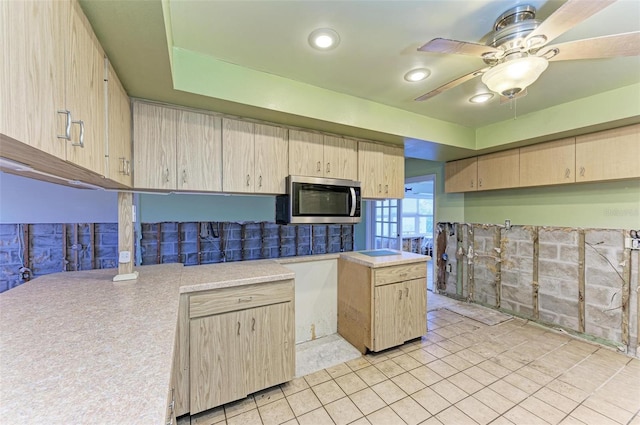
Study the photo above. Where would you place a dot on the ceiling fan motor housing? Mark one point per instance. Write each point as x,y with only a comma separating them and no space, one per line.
510,31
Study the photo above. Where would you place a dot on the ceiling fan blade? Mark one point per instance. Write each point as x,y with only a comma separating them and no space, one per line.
566,17
506,99
610,46
445,45
452,84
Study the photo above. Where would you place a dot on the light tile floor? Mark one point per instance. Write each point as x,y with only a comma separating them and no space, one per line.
461,372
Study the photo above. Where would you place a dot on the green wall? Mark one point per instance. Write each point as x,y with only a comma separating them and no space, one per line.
188,207
613,205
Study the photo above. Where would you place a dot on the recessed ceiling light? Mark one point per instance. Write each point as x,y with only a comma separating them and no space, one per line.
481,98
417,74
324,39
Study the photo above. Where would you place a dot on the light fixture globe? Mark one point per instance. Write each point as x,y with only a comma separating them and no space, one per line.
514,75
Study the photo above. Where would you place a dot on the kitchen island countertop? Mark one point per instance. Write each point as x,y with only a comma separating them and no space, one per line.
397,258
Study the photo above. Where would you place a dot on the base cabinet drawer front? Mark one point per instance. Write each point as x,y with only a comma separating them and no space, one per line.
240,297
391,274
238,353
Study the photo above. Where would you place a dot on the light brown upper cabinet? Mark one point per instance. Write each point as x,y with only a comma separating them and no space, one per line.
255,157
176,149
381,170
199,150
608,155
52,82
461,175
154,146
548,163
118,130
317,155
499,170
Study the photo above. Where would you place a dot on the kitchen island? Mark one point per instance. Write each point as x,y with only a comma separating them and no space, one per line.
79,348
382,298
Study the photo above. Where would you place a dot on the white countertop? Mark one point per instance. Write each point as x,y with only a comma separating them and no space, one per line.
76,347
397,258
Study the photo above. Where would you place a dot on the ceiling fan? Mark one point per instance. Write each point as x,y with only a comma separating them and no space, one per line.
516,52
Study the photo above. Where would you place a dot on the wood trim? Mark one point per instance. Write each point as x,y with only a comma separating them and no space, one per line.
125,230
535,285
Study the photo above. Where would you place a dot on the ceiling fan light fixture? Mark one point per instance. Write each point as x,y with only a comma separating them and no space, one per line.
512,76
324,39
481,98
417,74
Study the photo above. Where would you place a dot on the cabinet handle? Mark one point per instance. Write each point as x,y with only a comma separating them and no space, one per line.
244,299
238,328
400,292
81,141
318,166
380,188
328,167
253,324
259,181
123,163
67,126
248,179
479,182
386,188
403,274
184,176
567,173
471,183
406,294
166,175
582,170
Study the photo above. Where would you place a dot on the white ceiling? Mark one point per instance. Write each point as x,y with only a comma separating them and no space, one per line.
379,41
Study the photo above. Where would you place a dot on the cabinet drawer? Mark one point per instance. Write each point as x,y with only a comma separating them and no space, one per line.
385,275
240,298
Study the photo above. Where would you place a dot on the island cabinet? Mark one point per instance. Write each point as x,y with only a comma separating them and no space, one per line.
176,149
381,170
381,307
255,157
608,155
318,155
548,163
241,340
52,83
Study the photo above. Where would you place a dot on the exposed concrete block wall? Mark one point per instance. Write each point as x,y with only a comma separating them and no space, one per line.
52,248
582,280
558,277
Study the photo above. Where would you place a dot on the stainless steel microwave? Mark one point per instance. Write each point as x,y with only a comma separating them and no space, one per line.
317,200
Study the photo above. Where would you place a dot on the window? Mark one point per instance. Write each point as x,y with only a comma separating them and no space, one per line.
417,216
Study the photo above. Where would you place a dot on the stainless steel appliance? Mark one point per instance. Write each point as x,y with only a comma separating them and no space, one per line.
317,200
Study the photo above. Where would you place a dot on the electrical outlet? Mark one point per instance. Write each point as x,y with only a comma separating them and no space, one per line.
125,256
632,243
448,267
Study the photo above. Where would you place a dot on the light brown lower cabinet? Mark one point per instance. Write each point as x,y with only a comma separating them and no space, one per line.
380,308
245,347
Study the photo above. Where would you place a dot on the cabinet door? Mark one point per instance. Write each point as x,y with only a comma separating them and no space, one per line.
216,366
119,130
371,169
340,158
306,152
415,308
154,146
271,346
499,170
608,155
388,316
199,150
548,163
33,41
85,95
271,159
237,156
393,172
461,175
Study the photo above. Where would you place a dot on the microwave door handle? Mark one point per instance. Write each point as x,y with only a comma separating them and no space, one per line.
353,202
